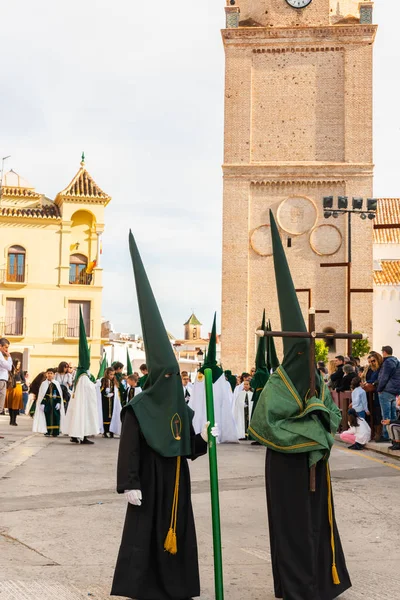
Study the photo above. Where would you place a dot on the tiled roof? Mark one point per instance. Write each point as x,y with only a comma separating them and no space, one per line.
192,320
19,192
388,213
389,273
84,187
43,212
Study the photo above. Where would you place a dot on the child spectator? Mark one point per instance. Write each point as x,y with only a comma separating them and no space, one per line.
358,433
358,398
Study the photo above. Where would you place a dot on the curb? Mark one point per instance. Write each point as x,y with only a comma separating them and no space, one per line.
378,448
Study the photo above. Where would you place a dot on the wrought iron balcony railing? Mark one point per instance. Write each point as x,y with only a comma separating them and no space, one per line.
69,328
12,326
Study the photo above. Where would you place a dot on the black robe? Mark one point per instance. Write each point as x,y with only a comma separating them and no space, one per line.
299,529
144,570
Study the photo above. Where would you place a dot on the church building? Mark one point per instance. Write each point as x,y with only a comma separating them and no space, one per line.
50,268
298,128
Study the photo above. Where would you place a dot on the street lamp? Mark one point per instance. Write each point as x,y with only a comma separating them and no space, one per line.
342,208
200,355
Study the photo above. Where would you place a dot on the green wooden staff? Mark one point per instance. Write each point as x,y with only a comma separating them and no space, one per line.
215,513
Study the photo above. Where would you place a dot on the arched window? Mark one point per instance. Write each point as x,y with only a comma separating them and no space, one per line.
194,333
16,264
330,342
77,269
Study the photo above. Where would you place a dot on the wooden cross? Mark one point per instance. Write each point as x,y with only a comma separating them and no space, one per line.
312,335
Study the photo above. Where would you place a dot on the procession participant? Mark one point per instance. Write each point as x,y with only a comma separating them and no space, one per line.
222,395
49,417
82,419
64,378
231,379
187,386
158,554
107,390
132,389
14,401
33,393
118,368
242,409
297,426
145,373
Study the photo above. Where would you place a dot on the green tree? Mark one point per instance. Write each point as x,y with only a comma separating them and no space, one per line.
321,351
360,348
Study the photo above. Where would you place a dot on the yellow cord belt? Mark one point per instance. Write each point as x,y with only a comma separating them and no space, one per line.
335,575
170,544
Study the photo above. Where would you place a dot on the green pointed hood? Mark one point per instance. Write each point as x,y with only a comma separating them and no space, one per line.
261,348
262,374
103,367
163,415
84,352
210,360
129,370
296,361
272,357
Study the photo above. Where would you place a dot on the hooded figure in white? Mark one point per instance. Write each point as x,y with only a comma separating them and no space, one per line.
222,396
242,409
82,419
39,419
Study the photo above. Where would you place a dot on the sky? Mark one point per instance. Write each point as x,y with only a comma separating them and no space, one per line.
139,87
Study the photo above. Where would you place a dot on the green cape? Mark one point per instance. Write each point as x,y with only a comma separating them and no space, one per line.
285,418
283,422
163,415
210,359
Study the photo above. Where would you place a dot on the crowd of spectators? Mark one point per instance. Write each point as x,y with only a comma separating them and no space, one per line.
380,378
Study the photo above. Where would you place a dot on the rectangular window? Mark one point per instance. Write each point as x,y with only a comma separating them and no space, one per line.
73,317
14,320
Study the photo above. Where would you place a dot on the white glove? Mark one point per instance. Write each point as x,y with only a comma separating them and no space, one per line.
134,497
214,431
107,390
58,406
110,395
42,407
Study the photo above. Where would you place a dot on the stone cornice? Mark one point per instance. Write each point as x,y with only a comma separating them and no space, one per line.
330,34
305,171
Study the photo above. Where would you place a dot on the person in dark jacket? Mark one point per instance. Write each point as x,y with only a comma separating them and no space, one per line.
375,361
348,376
337,376
388,386
394,428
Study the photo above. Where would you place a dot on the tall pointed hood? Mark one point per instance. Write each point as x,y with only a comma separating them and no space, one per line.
272,357
103,367
261,348
296,360
84,352
129,370
210,360
161,410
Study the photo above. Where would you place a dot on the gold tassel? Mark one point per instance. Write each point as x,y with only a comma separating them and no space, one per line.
170,543
335,574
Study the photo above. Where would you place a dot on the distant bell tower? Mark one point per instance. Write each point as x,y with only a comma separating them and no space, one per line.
298,127
192,328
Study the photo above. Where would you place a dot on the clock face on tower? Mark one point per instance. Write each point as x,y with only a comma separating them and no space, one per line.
298,3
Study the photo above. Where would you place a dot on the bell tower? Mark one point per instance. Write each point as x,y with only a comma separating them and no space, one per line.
298,127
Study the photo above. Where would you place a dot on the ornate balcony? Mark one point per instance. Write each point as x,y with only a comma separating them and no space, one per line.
68,329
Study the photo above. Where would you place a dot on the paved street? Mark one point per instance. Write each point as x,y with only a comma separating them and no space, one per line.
60,520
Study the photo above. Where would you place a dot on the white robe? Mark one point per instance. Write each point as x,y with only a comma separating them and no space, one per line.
237,391
115,424
39,418
238,411
82,417
222,408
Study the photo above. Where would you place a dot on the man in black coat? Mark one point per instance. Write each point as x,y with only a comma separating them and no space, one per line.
337,376
348,376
